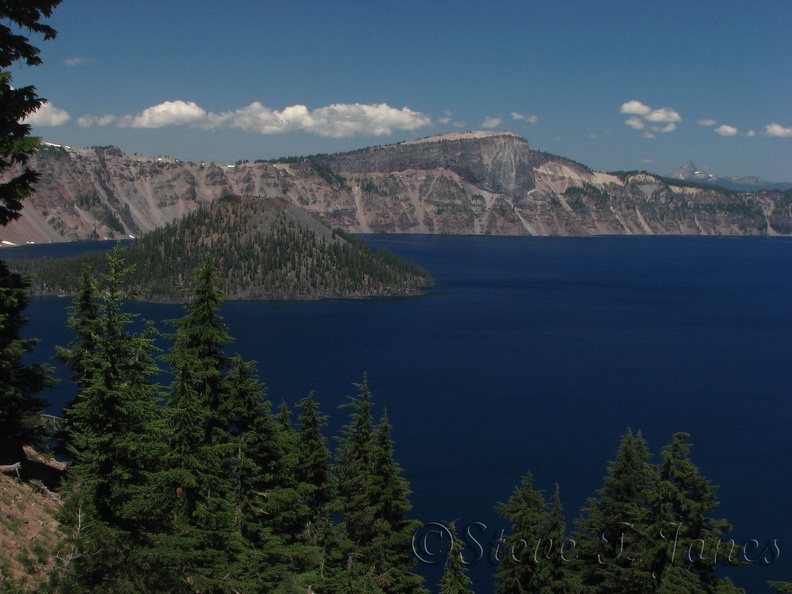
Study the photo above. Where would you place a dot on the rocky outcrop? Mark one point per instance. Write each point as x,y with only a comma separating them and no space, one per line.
465,183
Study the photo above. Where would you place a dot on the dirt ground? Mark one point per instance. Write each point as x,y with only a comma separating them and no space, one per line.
29,533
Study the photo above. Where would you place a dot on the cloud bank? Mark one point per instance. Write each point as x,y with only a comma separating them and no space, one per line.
778,130
339,120
726,130
48,115
491,122
531,119
642,115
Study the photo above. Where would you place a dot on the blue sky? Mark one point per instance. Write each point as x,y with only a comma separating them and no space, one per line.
614,85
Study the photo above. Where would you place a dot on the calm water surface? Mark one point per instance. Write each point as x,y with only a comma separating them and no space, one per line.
538,354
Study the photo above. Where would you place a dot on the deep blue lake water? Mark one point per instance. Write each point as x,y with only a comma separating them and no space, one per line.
538,354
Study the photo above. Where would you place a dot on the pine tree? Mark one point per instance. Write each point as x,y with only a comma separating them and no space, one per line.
204,545
83,321
19,382
17,103
256,468
683,557
519,568
612,531
455,579
373,500
353,468
390,547
558,574
114,441
313,470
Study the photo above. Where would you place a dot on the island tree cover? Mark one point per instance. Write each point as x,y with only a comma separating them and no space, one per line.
19,383
265,248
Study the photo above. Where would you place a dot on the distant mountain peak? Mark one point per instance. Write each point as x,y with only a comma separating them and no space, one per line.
689,171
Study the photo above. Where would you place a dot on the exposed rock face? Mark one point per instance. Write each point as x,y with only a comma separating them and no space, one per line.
476,182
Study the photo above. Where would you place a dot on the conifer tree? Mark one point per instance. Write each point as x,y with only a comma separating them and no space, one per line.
519,569
558,573
390,547
683,558
301,504
204,545
114,442
455,579
17,103
83,321
313,469
19,382
256,468
373,500
353,468
612,531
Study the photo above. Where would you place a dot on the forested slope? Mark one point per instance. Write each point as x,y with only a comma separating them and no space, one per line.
264,249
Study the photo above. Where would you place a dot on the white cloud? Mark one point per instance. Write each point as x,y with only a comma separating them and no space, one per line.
777,130
48,115
347,120
707,122
636,108
337,120
444,120
664,114
89,120
491,122
751,133
168,113
636,123
642,113
78,61
726,130
670,127
531,119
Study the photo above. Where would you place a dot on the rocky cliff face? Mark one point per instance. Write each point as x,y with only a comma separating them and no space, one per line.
467,183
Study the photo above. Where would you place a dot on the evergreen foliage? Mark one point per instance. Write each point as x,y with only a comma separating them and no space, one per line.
455,579
19,382
611,529
374,499
649,528
521,567
113,440
203,542
201,488
264,249
17,103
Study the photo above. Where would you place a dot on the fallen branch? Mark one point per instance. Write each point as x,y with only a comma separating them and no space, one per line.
45,491
9,468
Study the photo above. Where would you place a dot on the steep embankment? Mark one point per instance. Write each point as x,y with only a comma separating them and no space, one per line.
476,182
29,532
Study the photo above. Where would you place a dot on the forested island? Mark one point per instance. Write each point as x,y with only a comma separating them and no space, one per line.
264,248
